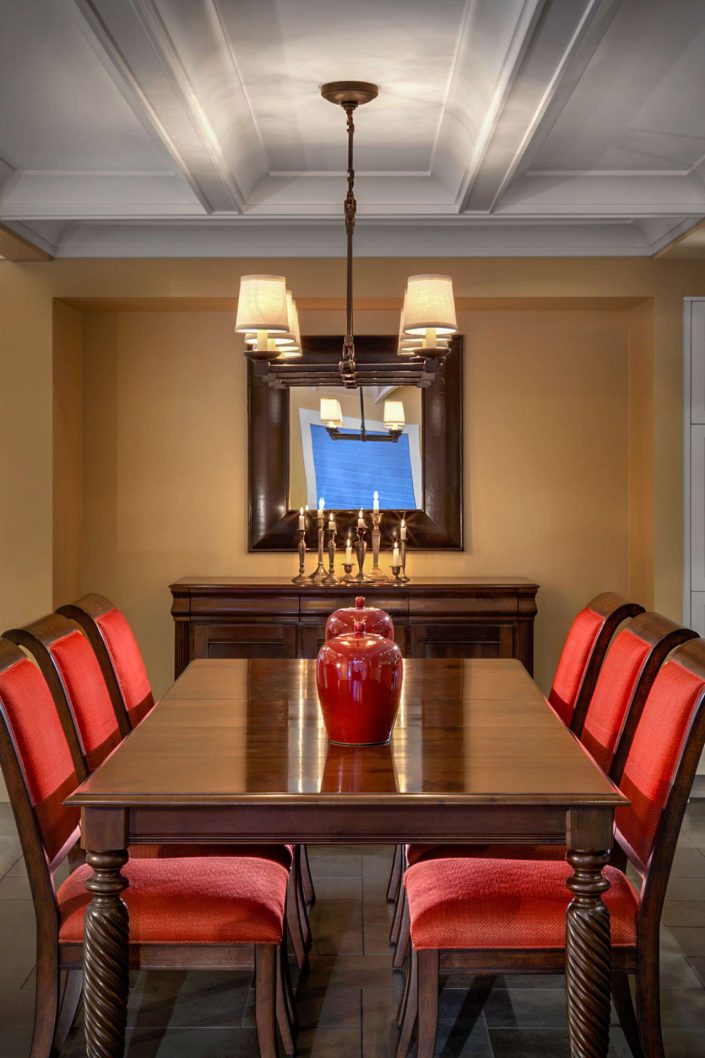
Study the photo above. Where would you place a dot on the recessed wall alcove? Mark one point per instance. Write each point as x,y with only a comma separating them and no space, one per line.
150,450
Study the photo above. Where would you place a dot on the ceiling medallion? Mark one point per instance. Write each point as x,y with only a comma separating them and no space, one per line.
267,315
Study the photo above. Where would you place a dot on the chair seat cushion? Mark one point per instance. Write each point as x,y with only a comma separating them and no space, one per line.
416,853
283,854
504,904
196,900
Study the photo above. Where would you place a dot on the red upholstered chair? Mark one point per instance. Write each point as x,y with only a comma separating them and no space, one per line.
71,669
583,651
492,916
178,908
118,654
121,663
628,671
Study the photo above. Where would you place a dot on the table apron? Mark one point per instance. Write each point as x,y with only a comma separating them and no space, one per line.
329,823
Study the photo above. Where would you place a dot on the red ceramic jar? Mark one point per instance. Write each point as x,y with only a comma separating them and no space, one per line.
378,622
359,686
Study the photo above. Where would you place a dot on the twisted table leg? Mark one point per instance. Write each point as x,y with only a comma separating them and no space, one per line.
588,956
106,957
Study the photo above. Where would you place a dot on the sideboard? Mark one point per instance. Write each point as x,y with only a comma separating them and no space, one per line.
237,617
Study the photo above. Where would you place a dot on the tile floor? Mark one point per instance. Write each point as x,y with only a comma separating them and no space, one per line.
347,1000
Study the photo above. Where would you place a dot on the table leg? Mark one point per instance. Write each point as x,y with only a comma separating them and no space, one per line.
588,946
106,956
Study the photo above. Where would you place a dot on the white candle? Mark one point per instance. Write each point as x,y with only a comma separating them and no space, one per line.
375,501
360,520
348,553
403,529
302,518
331,523
396,558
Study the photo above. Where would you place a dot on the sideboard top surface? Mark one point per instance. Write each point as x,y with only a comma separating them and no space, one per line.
423,584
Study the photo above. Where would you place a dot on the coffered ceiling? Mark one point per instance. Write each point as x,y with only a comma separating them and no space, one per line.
196,127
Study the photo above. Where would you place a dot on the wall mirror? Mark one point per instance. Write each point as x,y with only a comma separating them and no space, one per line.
294,458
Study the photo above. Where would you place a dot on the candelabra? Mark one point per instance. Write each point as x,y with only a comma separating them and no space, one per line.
376,573
361,551
331,577
348,578
403,531
302,578
396,570
319,574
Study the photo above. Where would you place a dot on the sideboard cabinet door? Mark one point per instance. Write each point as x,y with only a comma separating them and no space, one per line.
235,640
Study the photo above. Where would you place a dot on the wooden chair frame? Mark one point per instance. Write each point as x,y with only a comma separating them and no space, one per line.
85,612
642,1026
55,1009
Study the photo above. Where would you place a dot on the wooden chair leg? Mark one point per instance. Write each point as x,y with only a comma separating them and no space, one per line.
303,913
285,979
427,967
403,944
46,1009
396,919
307,878
265,998
622,996
293,924
284,1012
648,1000
70,998
410,1009
404,995
395,874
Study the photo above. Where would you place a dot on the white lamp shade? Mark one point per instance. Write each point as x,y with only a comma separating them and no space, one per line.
331,413
394,418
261,305
429,305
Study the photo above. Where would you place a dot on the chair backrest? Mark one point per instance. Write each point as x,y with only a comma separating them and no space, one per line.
631,664
583,651
39,770
117,651
659,769
72,671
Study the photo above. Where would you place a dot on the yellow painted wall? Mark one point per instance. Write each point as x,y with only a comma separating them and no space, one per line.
165,459
67,434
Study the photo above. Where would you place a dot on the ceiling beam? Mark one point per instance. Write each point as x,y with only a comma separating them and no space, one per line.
138,51
559,43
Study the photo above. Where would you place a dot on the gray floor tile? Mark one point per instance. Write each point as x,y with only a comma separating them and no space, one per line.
199,998
325,1041
546,1043
10,852
336,919
684,913
684,1043
15,887
16,1042
691,939
688,863
680,888
698,966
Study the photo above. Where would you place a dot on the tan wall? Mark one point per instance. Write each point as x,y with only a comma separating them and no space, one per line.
68,460
165,460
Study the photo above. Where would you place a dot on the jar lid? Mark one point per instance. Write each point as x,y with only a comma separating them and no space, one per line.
360,643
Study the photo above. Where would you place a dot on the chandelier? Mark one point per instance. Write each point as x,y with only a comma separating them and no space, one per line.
268,318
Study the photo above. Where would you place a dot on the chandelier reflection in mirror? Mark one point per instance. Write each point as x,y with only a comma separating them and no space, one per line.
268,319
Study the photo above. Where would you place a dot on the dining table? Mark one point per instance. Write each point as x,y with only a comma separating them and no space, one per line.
236,752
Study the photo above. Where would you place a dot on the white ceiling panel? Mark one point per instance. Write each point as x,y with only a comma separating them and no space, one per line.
639,105
197,126
59,108
286,49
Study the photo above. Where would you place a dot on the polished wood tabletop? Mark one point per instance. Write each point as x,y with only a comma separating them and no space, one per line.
236,751
236,731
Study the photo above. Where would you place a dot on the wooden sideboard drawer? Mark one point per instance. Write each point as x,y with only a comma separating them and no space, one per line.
461,639
207,605
325,604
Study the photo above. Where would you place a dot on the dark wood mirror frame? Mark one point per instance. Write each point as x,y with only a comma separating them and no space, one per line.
438,526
